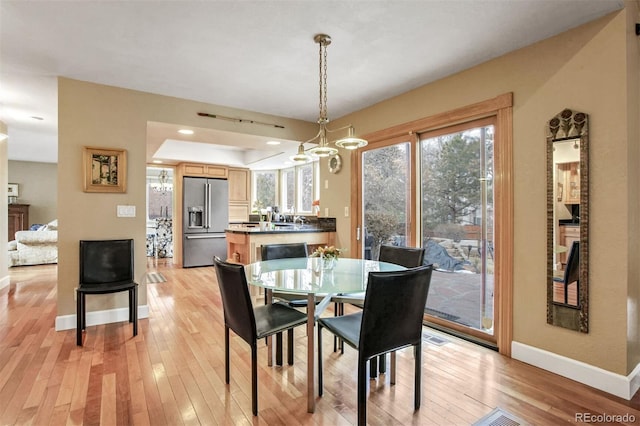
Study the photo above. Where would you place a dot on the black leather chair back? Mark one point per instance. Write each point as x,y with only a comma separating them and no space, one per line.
572,272
409,257
106,262
284,251
236,301
393,310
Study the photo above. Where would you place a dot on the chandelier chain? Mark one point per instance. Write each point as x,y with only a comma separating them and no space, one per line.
323,82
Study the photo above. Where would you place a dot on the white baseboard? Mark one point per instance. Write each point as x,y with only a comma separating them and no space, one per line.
596,377
5,281
68,322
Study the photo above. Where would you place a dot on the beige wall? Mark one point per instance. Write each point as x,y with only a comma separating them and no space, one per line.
587,69
633,149
110,117
38,188
4,224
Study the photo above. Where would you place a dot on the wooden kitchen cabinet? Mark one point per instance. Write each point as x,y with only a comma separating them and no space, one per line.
18,219
569,182
203,170
239,194
239,188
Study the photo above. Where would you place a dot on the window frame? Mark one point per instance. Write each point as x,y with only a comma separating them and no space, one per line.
281,186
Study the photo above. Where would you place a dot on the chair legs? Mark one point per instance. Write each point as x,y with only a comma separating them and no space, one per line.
81,313
362,392
80,324
226,354
320,384
362,377
290,346
417,351
254,378
279,349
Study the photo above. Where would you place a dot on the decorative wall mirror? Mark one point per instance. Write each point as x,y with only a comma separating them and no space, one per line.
568,220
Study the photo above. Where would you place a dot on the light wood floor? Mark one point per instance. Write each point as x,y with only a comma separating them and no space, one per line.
173,372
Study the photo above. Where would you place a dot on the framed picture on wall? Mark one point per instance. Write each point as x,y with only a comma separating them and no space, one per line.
12,190
105,170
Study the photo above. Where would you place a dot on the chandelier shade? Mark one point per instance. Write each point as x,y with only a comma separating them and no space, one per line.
323,149
301,156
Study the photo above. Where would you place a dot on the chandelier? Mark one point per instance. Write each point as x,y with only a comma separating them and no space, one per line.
322,149
163,182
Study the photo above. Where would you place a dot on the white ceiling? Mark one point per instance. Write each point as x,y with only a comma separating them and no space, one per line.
254,55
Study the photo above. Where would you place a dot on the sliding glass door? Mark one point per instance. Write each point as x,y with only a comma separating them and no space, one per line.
456,187
386,172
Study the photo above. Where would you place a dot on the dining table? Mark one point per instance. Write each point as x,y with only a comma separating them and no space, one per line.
319,280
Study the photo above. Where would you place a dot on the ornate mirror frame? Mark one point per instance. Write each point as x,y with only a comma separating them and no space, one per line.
570,127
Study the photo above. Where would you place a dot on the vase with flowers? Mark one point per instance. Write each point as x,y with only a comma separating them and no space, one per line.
328,256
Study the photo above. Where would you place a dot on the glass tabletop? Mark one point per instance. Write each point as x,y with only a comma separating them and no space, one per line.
307,275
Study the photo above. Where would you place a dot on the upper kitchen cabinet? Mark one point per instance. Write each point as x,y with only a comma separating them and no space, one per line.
239,185
239,194
203,170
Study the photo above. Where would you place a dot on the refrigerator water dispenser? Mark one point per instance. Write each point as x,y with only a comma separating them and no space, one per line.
196,217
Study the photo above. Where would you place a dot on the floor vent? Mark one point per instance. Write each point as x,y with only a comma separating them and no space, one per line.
155,277
499,417
434,339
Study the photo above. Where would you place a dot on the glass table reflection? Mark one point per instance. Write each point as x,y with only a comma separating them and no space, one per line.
308,276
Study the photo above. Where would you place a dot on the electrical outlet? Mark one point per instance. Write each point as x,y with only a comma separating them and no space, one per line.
346,211
326,212
326,184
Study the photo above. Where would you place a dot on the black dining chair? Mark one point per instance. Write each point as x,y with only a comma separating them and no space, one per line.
391,319
106,266
409,257
571,272
248,322
285,251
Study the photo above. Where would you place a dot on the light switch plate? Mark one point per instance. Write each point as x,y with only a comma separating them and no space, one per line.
126,211
326,211
346,211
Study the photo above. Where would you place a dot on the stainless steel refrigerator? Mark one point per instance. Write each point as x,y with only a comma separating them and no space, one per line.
206,215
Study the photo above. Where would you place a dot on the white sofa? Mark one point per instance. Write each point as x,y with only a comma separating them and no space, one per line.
35,247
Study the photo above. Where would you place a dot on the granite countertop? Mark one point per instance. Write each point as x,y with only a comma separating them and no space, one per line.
280,229
320,224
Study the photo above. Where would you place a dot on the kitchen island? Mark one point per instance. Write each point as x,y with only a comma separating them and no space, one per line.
244,242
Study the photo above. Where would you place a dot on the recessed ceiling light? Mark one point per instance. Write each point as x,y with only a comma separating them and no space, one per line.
273,142
157,161
37,118
185,131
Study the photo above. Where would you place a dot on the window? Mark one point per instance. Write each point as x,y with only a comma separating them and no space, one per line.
288,194
265,189
292,190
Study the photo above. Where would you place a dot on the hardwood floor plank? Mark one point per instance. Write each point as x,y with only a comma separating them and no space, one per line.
173,371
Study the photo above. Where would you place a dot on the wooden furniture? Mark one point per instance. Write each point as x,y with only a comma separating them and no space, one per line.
244,244
18,219
239,194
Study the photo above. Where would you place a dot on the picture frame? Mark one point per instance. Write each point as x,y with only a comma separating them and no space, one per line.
105,170
13,190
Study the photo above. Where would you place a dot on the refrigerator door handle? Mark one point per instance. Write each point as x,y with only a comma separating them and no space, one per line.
207,194
204,236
